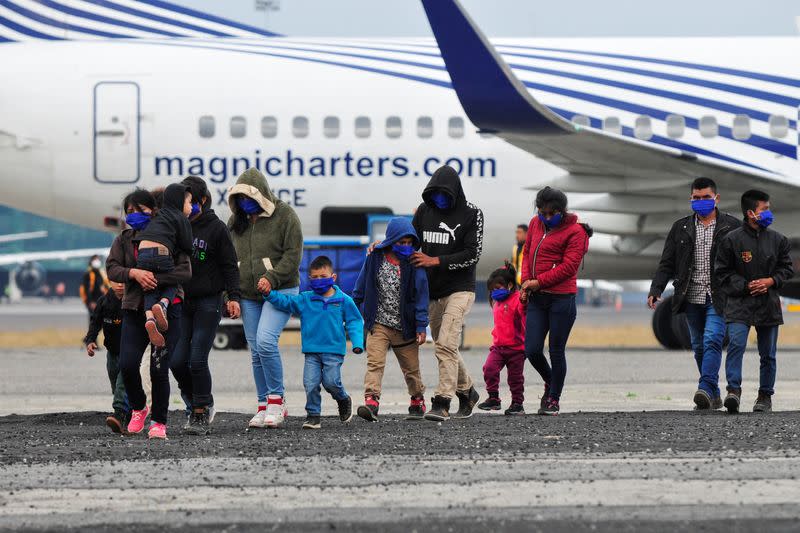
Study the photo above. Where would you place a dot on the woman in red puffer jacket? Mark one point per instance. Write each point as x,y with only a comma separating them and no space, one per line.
552,255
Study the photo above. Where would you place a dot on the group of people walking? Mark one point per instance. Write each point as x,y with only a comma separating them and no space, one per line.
177,269
727,273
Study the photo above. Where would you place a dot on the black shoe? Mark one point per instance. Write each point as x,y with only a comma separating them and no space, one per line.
369,411
440,409
545,396
466,402
345,409
763,403
117,422
716,403
515,409
490,404
198,423
732,401
551,407
312,422
702,400
416,409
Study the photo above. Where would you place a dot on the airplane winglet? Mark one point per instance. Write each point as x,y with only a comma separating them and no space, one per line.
492,96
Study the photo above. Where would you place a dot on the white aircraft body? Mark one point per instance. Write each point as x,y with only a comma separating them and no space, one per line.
100,97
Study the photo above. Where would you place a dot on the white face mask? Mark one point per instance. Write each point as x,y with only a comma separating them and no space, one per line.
96,264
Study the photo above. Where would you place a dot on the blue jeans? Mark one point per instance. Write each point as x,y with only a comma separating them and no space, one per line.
149,259
189,363
767,346
707,333
263,325
554,314
324,369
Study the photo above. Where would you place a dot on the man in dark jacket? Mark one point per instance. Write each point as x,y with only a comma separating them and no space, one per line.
752,264
93,283
451,230
688,259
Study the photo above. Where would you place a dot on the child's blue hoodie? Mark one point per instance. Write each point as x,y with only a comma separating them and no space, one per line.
413,283
323,320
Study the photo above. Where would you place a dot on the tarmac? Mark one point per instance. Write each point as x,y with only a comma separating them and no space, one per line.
627,453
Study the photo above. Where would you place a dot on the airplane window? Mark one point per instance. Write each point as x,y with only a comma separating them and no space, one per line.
330,127
741,127
708,126
269,127
581,120
300,127
455,127
642,129
612,124
394,127
206,126
778,126
363,127
676,125
238,127
425,127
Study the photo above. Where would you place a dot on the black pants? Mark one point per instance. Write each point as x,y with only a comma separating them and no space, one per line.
199,320
150,259
132,347
551,316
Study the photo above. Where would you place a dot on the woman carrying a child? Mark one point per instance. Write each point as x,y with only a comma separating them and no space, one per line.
123,265
268,240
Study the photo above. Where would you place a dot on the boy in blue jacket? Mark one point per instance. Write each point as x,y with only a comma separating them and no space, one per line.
325,313
393,296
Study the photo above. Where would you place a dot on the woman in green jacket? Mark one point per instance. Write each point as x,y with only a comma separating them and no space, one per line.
269,242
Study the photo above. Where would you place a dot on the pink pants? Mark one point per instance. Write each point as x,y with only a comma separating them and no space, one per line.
498,358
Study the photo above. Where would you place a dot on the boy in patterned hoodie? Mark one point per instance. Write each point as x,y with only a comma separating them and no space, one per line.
393,297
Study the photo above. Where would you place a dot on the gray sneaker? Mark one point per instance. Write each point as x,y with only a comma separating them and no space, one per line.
763,403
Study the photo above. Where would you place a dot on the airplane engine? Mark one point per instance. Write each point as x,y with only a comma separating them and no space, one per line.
30,277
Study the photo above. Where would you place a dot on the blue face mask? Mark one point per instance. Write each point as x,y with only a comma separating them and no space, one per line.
320,285
403,251
440,200
248,205
765,218
195,210
704,207
554,221
137,221
499,295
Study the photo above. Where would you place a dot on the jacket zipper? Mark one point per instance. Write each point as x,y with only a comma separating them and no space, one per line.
535,253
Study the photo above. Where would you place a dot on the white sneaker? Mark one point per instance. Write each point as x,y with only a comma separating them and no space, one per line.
258,421
276,412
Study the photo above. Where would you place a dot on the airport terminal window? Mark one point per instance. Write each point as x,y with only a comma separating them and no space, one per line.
363,127
330,127
394,127
206,126
708,126
238,127
612,124
741,127
778,126
455,127
642,128
581,120
300,127
676,125
269,127
425,127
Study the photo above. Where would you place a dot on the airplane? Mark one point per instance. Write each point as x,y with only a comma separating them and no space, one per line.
100,97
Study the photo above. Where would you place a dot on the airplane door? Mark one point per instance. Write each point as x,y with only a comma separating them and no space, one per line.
116,132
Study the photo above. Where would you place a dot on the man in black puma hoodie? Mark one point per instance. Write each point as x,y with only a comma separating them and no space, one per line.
451,231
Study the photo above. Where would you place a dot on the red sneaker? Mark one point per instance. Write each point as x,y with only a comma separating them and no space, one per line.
157,431
416,410
136,425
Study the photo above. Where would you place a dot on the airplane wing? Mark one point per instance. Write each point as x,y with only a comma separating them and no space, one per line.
497,102
57,255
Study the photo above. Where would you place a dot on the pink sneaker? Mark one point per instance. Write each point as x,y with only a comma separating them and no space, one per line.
157,431
136,425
